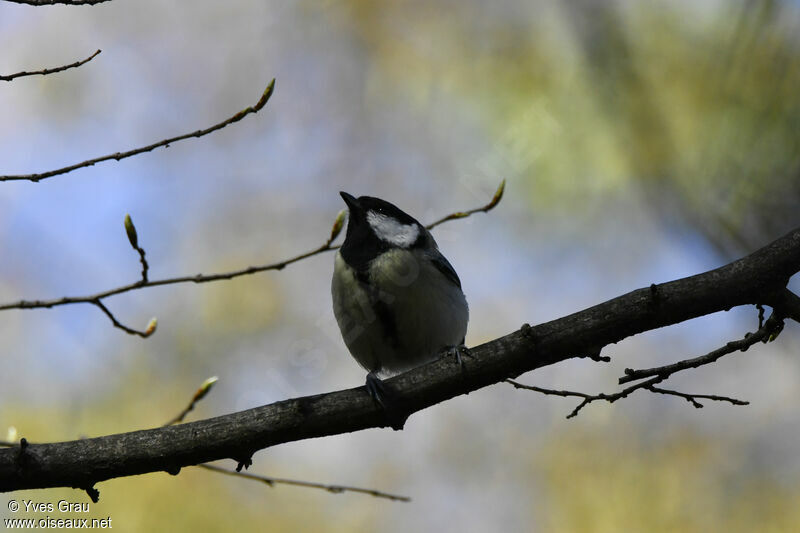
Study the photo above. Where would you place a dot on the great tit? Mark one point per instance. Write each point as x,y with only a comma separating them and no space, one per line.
397,299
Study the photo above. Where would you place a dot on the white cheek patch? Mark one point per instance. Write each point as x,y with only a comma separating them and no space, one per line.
390,230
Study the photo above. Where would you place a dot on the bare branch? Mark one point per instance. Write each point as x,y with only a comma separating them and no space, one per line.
770,327
498,195
56,2
589,398
692,398
549,392
786,304
613,397
45,72
199,394
336,489
165,143
272,481
143,261
117,324
767,331
133,239
198,278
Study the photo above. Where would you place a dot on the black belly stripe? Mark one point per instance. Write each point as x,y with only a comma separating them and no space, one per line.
363,277
385,315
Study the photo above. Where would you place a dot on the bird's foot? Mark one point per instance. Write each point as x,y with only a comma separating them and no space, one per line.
377,390
459,353
387,400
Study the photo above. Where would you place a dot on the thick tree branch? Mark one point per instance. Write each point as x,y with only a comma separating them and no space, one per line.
767,331
57,2
754,279
787,303
46,71
166,142
201,393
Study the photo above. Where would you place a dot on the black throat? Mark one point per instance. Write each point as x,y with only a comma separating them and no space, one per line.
361,246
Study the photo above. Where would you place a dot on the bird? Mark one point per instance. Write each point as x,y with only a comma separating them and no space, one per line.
397,300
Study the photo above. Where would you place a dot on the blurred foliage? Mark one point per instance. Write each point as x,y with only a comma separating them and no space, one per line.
695,105
598,480
243,305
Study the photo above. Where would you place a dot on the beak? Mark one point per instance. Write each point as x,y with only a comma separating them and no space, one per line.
352,202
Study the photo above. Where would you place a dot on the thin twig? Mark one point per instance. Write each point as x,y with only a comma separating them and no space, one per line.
692,398
549,392
45,72
198,278
336,489
498,195
117,324
199,394
145,266
624,393
767,330
589,398
770,326
133,239
96,299
166,142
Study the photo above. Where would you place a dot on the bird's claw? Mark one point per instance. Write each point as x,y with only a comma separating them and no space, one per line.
458,353
377,390
387,400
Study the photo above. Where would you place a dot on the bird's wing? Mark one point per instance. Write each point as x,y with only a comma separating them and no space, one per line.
443,265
